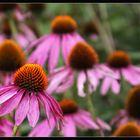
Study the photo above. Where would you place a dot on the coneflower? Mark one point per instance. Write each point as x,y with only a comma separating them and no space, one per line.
83,61
25,94
128,129
62,38
120,62
74,117
12,57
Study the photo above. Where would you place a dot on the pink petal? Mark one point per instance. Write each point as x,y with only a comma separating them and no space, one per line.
33,113
87,121
67,43
57,79
115,86
43,129
11,104
80,84
103,124
105,85
4,97
54,54
22,109
93,80
69,128
77,37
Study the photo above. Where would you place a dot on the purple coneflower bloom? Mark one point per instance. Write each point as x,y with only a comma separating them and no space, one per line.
83,62
131,111
6,127
63,37
24,34
25,94
74,117
120,63
12,57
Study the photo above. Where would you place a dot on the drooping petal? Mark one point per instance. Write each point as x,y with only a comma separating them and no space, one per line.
77,37
69,128
11,104
33,113
87,121
103,124
93,80
129,76
66,84
105,85
40,55
80,84
115,86
54,54
43,129
22,109
67,43
57,79
4,97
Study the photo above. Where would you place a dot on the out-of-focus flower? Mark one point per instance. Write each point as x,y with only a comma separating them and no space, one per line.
24,35
12,57
25,94
90,28
6,127
62,38
131,111
128,129
120,63
83,61
74,117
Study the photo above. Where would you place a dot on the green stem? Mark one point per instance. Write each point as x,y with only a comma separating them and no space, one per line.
15,129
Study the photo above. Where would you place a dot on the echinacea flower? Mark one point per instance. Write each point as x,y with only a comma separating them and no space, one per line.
25,94
127,129
131,111
6,127
24,35
90,28
47,48
74,117
12,57
120,63
83,61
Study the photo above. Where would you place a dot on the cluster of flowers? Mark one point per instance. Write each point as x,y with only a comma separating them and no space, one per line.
25,87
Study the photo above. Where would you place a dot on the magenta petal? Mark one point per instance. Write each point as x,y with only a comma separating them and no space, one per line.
56,80
43,129
80,84
69,128
105,85
103,124
22,109
87,121
11,104
54,54
115,86
4,97
33,113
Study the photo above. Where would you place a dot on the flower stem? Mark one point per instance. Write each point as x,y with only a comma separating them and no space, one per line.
15,129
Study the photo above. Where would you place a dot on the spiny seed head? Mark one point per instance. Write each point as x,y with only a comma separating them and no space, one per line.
82,56
118,59
133,102
11,56
68,106
31,77
128,129
91,28
63,24
7,7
